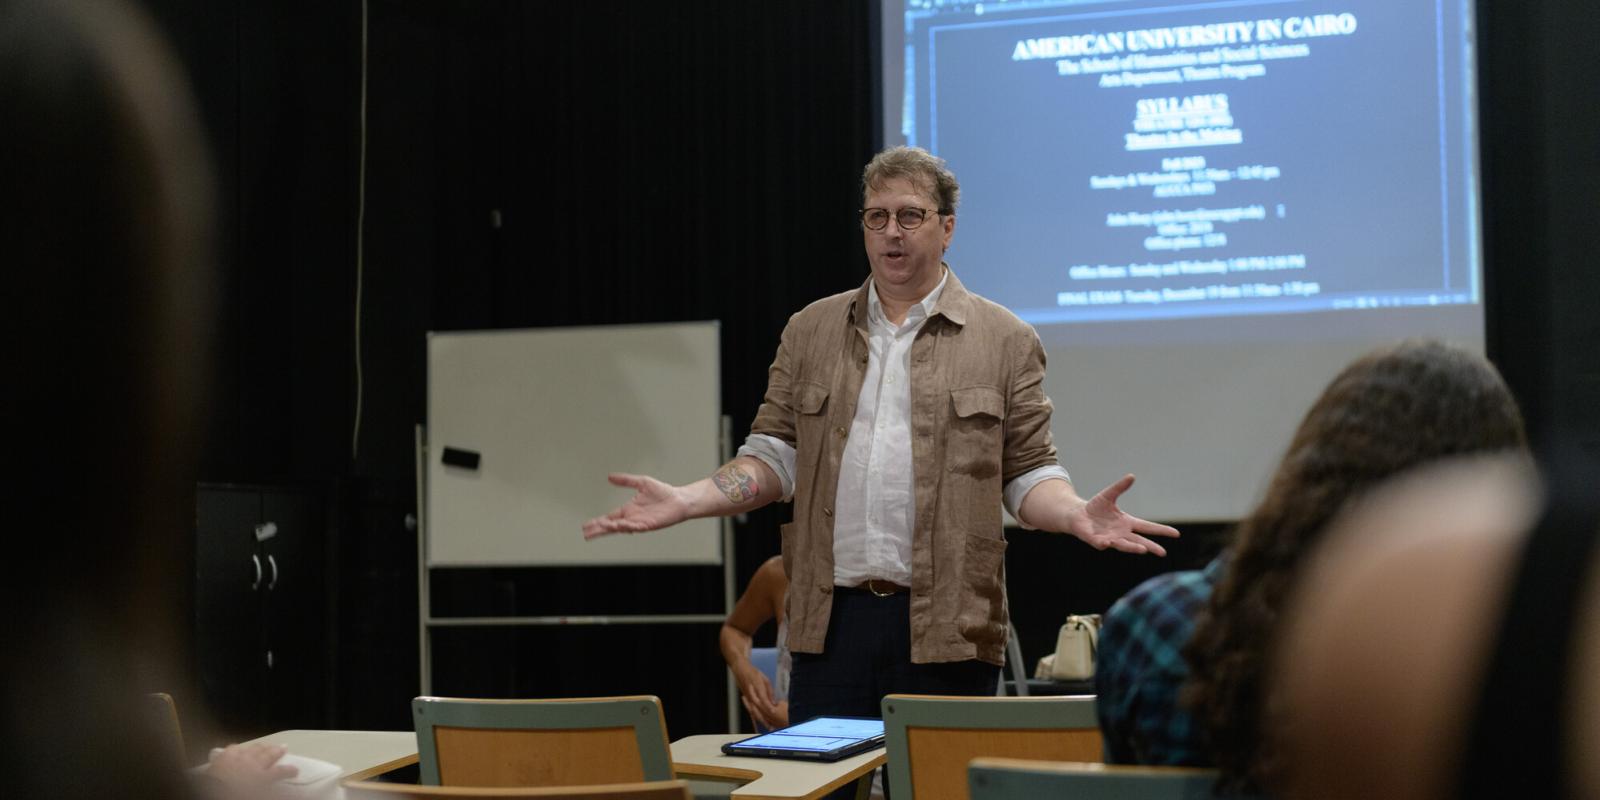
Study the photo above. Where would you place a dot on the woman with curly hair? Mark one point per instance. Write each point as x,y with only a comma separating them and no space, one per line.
1396,408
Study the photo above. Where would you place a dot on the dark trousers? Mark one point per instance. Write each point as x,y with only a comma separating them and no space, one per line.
867,654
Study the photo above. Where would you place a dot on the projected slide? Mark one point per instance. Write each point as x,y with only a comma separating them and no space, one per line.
1126,160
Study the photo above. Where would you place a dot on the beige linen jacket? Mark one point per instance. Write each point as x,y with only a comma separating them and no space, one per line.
979,417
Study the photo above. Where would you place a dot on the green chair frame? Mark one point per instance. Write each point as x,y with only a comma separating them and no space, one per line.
1015,779
903,712
641,713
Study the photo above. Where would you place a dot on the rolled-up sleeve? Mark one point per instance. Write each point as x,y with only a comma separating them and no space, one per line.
775,453
1019,487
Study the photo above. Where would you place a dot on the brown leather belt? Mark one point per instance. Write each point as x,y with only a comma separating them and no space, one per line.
879,587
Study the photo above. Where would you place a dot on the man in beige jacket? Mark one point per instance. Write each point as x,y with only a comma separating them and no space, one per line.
898,417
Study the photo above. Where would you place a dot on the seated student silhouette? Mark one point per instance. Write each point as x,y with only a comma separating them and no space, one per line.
763,599
766,701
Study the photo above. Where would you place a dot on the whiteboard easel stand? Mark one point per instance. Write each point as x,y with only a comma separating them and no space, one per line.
426,622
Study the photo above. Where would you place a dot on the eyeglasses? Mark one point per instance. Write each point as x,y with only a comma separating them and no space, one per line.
909,219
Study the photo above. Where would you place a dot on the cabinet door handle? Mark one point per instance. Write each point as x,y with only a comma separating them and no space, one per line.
256,560
272,562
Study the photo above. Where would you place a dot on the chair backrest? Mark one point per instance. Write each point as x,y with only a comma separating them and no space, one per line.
528,743
652,790
766,660
1014,663
161,714
1013,779
931,739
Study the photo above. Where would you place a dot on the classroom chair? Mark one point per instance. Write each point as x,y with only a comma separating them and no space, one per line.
651,790
931,739
1016,779
529,743
766,660
1018,684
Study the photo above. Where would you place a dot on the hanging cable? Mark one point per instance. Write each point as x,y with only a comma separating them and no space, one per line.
361,226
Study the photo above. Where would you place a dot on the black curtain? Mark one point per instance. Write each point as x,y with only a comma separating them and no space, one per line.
536,164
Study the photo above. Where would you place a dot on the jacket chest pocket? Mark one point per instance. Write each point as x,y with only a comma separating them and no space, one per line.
810,422
976,434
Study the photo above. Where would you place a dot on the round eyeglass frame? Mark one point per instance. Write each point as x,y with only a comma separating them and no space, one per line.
899,217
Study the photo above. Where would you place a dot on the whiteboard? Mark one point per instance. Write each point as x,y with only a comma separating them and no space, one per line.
550,412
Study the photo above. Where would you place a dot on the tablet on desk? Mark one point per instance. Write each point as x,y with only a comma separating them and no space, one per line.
817,739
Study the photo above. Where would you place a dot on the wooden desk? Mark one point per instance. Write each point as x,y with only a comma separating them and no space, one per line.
360,754
769,778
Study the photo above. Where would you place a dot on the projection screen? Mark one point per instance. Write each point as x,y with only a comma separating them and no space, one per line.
1206,209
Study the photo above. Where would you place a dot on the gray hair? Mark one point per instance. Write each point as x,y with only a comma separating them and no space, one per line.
923,169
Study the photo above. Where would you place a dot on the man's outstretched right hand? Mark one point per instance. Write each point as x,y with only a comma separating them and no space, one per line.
655,505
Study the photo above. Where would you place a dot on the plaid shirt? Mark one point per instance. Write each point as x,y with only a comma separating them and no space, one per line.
1139,670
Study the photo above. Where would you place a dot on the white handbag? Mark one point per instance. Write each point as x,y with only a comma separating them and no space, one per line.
1075,648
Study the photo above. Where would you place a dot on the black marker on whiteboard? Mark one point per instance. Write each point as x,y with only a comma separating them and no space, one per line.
456,457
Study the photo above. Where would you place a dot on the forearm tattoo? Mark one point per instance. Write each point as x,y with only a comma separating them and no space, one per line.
736,483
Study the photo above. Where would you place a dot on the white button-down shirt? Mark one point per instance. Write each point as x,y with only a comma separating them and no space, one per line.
875,510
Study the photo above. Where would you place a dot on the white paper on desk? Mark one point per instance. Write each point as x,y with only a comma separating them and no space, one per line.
312,770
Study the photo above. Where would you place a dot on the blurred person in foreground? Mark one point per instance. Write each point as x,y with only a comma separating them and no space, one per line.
104,235
1392,409
1445,641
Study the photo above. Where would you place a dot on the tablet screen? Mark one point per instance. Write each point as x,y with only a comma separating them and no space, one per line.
820,735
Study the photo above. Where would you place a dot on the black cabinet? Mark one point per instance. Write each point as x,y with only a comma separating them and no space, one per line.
262,607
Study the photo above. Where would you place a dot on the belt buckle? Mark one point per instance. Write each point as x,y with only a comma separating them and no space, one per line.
872,587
